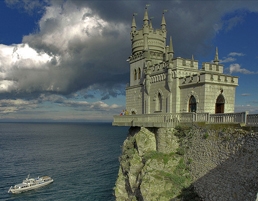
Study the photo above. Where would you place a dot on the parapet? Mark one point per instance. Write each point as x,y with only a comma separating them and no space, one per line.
185,63
212,67
155,41
207,77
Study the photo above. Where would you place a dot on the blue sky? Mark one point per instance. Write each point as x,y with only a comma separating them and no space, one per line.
66,60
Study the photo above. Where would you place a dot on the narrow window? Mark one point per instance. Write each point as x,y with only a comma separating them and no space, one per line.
139,73
135,74
192,104
159,102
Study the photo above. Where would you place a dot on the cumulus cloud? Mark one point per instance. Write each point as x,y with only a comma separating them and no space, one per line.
236,68
71,51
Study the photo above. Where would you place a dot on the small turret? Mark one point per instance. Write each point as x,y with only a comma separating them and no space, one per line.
133,27
145,29
170,50
146,17
192,61
163,21
163,27
150,25
216,59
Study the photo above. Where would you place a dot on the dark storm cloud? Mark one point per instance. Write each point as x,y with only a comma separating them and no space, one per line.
86,43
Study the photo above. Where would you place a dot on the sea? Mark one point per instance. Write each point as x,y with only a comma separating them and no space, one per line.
82,158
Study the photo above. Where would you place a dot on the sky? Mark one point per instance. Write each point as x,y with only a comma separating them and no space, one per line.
66,60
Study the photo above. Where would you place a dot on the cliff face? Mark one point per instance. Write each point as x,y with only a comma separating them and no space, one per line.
188,164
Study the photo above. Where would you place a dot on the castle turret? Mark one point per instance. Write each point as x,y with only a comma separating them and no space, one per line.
147,39
133,27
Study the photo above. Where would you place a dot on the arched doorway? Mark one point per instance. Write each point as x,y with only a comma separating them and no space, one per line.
192,104
220,102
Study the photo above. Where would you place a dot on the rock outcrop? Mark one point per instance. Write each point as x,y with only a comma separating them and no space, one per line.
188,164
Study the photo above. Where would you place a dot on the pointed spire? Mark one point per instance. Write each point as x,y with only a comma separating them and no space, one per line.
192,61
133,27
216,59
146,18
170,46
163,21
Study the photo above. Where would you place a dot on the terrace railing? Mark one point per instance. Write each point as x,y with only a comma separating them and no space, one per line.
252,120
228,118
173,119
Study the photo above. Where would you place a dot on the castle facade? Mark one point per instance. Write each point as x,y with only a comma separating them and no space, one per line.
160,83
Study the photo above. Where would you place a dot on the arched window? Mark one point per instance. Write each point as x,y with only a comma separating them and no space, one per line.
139,73
159,103
135,74
220,102
192,104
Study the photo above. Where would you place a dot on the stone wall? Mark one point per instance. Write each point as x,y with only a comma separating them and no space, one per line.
196,163
224,164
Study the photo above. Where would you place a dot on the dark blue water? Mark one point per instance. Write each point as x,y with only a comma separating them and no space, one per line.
81,158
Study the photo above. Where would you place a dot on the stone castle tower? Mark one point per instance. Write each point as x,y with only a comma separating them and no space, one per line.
160,83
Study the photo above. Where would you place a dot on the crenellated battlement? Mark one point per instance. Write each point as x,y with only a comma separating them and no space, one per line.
208,77
218,68
158,68
185,63
136,57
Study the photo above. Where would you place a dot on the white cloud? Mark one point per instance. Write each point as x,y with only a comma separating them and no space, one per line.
230,57
64,55
245,94
233,54
10,106
236,68
227,60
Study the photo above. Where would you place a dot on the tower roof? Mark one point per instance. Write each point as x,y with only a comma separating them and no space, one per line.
163,21
133,22
146,14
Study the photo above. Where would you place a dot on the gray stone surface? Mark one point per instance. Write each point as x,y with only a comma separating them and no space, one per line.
222,164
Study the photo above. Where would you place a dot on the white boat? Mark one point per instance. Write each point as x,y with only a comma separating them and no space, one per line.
30,184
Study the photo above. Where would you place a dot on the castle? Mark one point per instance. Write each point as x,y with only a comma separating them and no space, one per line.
160,83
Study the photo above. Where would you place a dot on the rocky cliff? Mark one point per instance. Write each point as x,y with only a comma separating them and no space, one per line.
188,163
